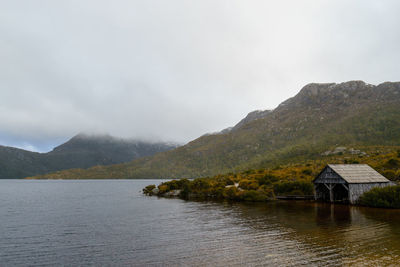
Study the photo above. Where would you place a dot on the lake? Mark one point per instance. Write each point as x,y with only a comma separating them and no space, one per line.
109,222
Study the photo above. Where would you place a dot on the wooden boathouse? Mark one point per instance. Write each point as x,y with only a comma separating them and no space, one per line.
346,182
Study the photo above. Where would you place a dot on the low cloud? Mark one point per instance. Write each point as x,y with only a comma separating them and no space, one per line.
174,70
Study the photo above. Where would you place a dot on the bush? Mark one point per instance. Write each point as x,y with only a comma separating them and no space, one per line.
391,175
174,185
392,163
294,188
200,184
231,193
307,172
250,172
186,189
229,181
248,184
386,197
268,191
148,190
267,179
225,181
163,188
254,196
217,192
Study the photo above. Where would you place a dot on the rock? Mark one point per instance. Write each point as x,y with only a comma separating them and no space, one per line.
339,149
354,151
172,193
326,153
255,115
155,191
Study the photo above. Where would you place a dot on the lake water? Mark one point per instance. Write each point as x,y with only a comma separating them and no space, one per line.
109,222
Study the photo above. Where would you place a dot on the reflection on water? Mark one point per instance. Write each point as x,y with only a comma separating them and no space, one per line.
112,223
330,234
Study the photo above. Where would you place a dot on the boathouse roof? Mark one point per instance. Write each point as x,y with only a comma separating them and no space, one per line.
358,173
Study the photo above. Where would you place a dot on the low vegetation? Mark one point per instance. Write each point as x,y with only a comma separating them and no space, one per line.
386,197
286,180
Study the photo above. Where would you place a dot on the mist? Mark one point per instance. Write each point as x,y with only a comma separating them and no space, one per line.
175,70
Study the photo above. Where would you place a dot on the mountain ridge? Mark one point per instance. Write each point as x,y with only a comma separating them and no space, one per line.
81,151
320,116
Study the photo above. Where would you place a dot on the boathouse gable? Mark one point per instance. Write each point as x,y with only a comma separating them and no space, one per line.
346,182
328,175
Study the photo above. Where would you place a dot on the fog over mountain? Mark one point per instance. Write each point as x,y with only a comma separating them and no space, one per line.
80,151
175,70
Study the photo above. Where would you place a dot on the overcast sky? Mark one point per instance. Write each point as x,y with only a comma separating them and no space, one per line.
174,70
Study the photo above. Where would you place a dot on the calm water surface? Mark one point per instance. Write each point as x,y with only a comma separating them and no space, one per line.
79,223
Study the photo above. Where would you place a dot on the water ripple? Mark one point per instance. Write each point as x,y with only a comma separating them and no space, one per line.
109,223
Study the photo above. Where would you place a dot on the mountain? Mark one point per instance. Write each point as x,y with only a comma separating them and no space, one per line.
255,115
321,116
81,151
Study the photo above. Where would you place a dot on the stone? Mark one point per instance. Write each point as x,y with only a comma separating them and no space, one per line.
172,193
155,191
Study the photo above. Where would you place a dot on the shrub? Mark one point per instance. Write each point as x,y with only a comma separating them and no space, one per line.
268,191
306,171
254,196
186,189
248,184
148,190
351,161
391,175
294,188
183,182
184,194
250,172
231,193
217,192
386,197
200,184
163,188
392,163
228,181
267,179
172,185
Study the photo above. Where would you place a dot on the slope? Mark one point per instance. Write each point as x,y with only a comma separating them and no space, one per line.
81,151
319,117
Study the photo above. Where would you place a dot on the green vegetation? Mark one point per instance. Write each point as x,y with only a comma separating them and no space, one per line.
219,187
260,185
387,197
351,114
294,188
81,151
148,190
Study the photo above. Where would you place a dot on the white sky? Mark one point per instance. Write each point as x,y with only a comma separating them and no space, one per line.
174,70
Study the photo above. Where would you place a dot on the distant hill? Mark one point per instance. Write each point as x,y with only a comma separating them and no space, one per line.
318,118
81,151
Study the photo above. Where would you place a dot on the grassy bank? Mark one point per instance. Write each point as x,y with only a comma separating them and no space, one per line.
387,197
286,180
259,190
